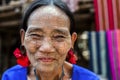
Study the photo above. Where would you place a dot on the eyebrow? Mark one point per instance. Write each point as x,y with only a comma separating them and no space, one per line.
61,31
32,29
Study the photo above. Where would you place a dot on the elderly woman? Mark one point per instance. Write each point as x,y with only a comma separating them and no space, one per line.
47,38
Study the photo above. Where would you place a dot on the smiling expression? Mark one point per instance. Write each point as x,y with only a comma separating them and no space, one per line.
47,38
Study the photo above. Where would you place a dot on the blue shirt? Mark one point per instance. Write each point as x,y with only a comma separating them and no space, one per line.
20,73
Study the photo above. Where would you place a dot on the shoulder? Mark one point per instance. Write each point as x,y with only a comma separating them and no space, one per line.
14,73
81,73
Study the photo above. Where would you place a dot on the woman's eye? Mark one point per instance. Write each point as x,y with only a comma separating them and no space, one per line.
59,38
36,36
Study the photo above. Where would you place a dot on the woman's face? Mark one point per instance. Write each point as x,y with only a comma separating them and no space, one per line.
47,38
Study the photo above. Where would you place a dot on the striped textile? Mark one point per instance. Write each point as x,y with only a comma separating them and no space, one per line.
107,18
104,47
117,40
113,41
93,51
110,54
103,52
98,52
107,14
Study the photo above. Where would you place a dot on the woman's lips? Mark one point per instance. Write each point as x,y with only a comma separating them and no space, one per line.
46,59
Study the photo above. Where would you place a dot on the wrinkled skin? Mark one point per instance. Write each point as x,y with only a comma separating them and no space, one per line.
47,41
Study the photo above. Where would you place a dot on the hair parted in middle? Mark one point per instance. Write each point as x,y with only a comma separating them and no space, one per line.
39,3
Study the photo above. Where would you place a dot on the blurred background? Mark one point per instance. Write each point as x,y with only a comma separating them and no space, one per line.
97,24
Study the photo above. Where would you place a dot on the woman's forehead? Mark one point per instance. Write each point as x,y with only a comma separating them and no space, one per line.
48,11
49,16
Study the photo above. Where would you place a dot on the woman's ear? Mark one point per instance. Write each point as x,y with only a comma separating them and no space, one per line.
73,38
22,35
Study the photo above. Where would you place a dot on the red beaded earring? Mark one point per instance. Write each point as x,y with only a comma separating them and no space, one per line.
71,56
21,56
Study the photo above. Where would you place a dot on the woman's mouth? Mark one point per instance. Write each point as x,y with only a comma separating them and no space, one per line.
46,59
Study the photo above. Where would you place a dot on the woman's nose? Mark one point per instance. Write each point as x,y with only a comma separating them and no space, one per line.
47,46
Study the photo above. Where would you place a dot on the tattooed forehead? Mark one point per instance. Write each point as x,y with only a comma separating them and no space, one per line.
46,13
48,10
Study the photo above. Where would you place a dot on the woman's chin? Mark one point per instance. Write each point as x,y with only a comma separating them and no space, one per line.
46,68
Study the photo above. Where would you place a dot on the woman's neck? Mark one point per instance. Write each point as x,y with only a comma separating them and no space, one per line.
56,75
